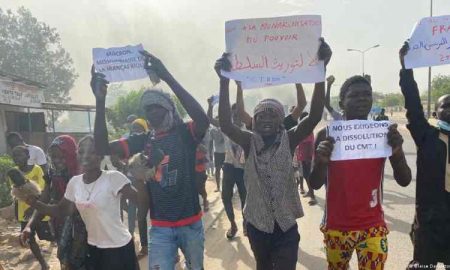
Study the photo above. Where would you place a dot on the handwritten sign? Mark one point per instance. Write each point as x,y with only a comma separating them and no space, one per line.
18,94
120,63
359,139
429,43
273,51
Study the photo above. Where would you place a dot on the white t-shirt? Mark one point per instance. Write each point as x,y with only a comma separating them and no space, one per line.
218,140
101,212
234,154
37,155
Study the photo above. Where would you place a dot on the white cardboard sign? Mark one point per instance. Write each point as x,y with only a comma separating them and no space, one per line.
429,43
359,139
273,51
120,63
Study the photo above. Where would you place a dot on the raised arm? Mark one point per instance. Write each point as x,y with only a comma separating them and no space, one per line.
99,88
307,125
244,116
301,102
418,124
193,108
324,148
213,121
330,81
226,125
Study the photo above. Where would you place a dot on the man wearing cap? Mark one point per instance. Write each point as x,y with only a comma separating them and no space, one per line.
170,148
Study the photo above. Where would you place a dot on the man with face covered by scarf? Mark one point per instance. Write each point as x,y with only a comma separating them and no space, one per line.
273,204
170,149
431,228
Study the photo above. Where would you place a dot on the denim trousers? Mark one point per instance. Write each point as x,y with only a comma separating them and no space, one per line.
164,243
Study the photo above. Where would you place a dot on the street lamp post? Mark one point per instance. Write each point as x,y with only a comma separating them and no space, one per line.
429,73
362,54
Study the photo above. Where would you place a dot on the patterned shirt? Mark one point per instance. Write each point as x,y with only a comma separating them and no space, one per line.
173,193
271,190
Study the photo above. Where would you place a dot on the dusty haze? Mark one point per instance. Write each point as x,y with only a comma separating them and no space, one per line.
188,35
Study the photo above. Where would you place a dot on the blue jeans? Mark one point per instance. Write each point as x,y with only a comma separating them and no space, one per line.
164,243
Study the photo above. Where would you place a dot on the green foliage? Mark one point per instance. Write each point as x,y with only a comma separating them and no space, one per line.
124,106
5,191
440,86
32,49
392,100
130,104
377,98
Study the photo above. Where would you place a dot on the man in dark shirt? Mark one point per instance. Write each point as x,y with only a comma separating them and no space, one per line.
382,116
431,228
170,156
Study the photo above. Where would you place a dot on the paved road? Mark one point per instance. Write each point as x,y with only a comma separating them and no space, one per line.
399,211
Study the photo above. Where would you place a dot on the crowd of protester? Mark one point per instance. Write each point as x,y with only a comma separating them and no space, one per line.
159,169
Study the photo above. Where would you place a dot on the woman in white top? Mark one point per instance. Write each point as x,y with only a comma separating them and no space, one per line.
96,194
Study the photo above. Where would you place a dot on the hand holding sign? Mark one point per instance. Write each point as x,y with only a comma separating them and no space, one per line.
222,64
395,139
99,84
324,150
325,52
155,68
402,53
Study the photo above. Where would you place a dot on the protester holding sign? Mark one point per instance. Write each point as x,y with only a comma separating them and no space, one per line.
354,216
431,229
173,197
273,204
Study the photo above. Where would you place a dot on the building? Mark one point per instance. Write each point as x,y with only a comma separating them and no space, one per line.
23,109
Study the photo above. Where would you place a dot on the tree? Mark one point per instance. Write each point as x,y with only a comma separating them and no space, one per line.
33,50
130,104
440,86
392,100
377,98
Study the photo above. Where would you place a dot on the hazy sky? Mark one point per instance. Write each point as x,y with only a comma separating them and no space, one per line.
188,35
